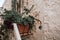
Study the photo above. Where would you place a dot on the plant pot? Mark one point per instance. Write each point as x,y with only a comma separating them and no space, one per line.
26,30
23,28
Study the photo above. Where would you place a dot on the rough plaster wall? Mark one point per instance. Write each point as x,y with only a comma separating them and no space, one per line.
7,4
49,14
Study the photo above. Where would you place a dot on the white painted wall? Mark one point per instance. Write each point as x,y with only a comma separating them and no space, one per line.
49,14
7,4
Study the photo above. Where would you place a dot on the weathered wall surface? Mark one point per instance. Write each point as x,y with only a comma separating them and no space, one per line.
7,4
49,13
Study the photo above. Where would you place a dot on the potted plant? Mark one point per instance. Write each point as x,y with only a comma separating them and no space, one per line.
25,24
11,17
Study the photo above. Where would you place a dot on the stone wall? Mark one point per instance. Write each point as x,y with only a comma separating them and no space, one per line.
49,13
7,4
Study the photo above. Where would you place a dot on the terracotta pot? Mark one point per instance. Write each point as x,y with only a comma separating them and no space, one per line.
26,30
23,28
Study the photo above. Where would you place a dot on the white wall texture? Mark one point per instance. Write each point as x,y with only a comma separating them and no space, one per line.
49,13
7,4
